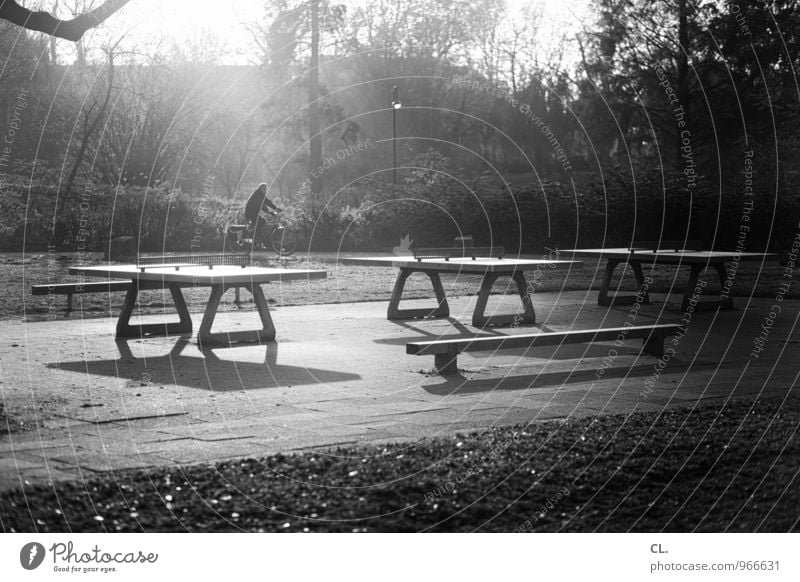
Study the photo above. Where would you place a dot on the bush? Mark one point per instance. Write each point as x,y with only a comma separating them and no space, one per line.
159,219
431,206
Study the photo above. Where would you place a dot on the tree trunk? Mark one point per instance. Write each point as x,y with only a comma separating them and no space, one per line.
683,74
315,139
90,126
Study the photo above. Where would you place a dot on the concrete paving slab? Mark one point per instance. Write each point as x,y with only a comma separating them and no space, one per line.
339,374
100,463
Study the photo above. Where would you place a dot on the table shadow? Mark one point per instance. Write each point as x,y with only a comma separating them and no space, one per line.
186,364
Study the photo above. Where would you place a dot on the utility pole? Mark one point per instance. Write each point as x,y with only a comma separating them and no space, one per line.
395,106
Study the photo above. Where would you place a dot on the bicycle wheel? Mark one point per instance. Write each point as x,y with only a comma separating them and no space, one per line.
236,245
283,241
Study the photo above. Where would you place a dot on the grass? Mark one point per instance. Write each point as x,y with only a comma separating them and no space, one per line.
716,468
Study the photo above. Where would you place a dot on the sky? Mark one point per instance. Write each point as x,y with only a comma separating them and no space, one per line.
187,22
154,22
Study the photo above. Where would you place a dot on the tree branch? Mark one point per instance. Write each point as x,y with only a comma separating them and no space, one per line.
71,30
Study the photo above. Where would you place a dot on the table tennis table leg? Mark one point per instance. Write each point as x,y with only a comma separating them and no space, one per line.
726,300
527,315
604,299
267,331
395,313
694,276
643,289
205,336
181,327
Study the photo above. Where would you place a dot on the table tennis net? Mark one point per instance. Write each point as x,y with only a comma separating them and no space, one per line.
178,261
458,253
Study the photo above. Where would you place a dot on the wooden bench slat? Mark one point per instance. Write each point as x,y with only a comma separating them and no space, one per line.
446,351
77,288
70,289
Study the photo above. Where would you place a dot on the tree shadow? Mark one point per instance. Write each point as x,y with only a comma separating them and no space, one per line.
186,364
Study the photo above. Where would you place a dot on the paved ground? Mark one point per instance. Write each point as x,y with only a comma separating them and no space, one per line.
339,375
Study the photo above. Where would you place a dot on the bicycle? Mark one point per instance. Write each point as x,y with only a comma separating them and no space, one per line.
240,238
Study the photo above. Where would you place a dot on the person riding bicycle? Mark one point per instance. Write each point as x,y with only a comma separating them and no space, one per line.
257,207
262,231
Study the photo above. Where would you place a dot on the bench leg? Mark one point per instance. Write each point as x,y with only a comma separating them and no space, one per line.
526,315
606,300
206,337
395,313
125,329
446,364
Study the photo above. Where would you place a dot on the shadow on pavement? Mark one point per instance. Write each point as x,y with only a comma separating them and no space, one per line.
204,369
460,384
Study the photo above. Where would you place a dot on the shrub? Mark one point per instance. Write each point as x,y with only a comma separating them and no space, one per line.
161,220
431,206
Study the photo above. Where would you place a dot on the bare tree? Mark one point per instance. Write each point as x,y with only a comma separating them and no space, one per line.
92,116
71,30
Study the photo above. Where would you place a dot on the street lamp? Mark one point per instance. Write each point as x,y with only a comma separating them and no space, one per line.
395,106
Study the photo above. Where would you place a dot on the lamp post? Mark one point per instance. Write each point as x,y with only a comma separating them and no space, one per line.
395,106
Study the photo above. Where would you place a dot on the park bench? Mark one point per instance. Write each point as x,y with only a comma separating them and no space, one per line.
445,352
70,289
461,252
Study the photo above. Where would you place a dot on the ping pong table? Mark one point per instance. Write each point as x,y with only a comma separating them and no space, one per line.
696,260
175,274
490,268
